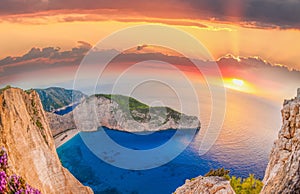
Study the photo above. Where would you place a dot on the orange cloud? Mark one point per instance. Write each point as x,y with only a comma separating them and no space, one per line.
266,14
259,76
57,16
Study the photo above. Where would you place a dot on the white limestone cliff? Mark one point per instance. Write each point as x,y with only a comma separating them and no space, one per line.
283,172
101,111
25,134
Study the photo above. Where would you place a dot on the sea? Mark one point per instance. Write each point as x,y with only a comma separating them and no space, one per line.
243,146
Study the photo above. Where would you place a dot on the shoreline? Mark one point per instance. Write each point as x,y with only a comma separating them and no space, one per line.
65,136
68,134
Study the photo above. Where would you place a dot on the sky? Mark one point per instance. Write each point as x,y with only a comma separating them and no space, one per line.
254,42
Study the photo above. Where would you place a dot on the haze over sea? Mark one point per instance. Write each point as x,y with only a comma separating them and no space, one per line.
243,146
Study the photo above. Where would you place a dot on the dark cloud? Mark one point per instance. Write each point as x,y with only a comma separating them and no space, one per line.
260,13
21,6
41,59
140,47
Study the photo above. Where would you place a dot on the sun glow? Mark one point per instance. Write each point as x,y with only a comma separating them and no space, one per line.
238,84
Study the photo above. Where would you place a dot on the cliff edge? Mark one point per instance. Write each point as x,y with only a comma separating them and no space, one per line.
206,185
25,134
121,113
283,171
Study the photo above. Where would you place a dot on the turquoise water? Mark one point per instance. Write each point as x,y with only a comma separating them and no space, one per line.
251,124
105,178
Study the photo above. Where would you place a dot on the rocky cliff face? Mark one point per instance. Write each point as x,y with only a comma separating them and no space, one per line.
55,98
25,133
206,185
283,171
116,114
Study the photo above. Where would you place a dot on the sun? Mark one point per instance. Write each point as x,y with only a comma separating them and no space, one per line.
238,82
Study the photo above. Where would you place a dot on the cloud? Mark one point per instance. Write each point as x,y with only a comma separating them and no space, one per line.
250,13
140,47
37,60
54,16
50,65
271,81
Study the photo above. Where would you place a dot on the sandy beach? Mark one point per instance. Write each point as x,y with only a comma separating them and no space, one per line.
64,137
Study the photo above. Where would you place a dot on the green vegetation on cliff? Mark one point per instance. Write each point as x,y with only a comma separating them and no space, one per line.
125,101
249,185
221,172
138,110
5,88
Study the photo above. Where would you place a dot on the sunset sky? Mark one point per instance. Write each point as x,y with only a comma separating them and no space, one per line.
256,43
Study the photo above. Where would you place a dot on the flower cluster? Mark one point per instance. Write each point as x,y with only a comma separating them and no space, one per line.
17,185
12,184
3,159
3,181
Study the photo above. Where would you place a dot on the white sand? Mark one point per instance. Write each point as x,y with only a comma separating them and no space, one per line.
64,137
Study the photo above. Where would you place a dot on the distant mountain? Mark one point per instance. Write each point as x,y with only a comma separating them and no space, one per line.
54,97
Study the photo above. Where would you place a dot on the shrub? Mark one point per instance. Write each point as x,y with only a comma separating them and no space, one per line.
249,185
221,172
39,124
5,88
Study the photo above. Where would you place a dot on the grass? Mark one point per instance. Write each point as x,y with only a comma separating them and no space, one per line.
125,101
128,104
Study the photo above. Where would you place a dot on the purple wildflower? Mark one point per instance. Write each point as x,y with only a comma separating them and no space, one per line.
3,159
12,184
3,181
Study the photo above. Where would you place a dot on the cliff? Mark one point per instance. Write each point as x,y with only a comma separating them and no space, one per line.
206,185
283,171
120,113
25,133
54,97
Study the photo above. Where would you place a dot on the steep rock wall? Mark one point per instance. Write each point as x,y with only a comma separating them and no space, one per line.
25,133
206,185
100,111
283,172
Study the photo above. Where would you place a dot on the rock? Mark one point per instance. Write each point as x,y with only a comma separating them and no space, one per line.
99,111
25,133
283,171
54,98
206,185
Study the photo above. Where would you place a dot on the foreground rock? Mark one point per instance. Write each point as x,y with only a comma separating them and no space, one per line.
283,171
121,113
25,133
206,185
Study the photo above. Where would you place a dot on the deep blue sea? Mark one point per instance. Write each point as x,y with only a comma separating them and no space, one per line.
243,147
66,110
105,178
